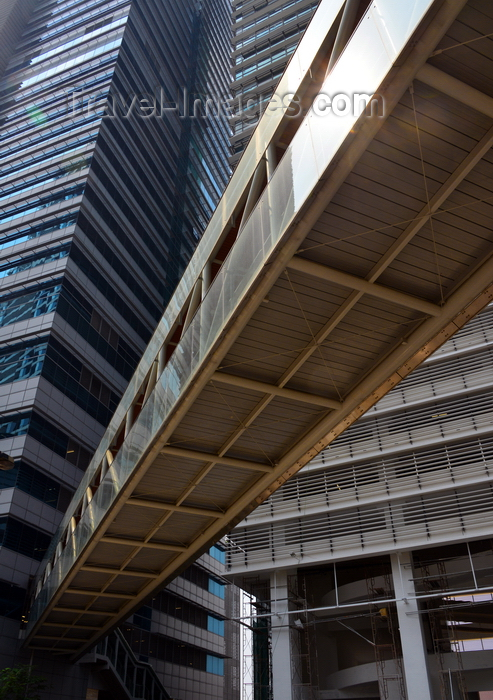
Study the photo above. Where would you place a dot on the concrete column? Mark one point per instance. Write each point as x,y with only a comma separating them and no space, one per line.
414,655
281,651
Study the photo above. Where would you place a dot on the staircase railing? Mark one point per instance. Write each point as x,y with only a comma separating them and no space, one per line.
137,678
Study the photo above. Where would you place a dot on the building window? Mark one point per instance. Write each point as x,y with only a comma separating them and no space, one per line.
143,618
22,538
11,600
18,307
218,553
22,360
47,434
215,625
54,362
27,234
36,484
216,587
42,203
215,665
30,261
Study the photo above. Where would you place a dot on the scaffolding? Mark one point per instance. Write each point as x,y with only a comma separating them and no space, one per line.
247,658
256,682
443,635
304,662
386,639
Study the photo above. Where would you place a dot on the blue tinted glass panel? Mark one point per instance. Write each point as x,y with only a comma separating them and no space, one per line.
12,426
31,232
215,625
216,588
218,553
30,305
215,665
33,261
22,361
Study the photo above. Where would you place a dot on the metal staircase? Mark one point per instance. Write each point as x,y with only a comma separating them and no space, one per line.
136,680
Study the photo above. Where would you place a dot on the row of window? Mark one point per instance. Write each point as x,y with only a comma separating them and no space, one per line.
49,151
50,359
50,40
29,232
147,645
294,31
57,51
69,375
176,196
71,63
41,178
244,125
49,102
48,13
121,269
264,16
130,181
26,309
21,360
29,303
65,81
76,310
32,424
275,25
180,609
22,538
253,67
42,202
111,294
36,484
200,577
267,77
259,103
30,261
60,22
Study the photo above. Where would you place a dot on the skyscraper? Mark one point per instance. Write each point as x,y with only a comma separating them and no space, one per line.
107,185
265,35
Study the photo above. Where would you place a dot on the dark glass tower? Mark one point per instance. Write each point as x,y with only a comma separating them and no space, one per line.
105,189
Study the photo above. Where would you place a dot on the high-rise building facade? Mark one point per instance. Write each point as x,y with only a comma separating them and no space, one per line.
187,634
371,569
265,35
107,184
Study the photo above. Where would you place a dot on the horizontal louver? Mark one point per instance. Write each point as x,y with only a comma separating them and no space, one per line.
349,532
386,478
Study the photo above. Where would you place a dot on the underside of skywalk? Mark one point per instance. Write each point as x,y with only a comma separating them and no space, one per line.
345,250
